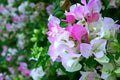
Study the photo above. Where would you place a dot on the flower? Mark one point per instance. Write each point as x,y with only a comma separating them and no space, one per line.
89,76
69,18
60,72
109,29
22,7
59,44
96,47
23,69
86,34
50,9
10,2
8,57
92,6
2,76
71,62
112,3
13,51
78,32
4,50
37,73
92,17
3,10
107,71
12,71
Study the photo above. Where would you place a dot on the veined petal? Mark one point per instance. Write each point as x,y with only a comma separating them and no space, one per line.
98,45
99,54
53,19
85,50
79,11
94,5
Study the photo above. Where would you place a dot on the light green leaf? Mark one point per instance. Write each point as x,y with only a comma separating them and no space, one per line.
117,71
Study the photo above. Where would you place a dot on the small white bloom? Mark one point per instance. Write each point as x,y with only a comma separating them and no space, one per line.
60,72
96,47
22,7
108,30
107,71
89,75
10,2
13,51
37,73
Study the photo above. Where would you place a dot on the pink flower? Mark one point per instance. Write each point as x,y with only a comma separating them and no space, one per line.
93,17
15,18
69,28
70,19
77,11
78,32
2,76
92,6
23,69
2,8
60,43
22,66
9,58
25,72
8,27
53,53
92,9
54,28
23,17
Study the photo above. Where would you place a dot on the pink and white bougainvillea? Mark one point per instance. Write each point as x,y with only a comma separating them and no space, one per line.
86,35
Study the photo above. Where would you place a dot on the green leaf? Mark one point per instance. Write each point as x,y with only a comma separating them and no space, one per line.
105,3
117,71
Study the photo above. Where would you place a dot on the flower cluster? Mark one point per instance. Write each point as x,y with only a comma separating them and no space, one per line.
15,20
87,35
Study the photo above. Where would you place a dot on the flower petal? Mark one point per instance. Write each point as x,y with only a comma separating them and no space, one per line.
85,50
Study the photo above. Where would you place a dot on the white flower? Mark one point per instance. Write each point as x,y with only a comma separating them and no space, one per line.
70,61
60,72
21,41
10,2
94,28
37,73
13,51
107,71
109,29
89,76
96,47
22,7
